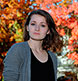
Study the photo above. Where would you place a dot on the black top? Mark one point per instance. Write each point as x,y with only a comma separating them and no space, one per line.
41,71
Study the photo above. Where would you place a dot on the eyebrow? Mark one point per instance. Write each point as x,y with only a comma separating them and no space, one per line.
40,22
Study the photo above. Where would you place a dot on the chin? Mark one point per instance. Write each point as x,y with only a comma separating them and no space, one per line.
36,39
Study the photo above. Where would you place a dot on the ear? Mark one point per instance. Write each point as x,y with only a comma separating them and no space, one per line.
48,32
27,28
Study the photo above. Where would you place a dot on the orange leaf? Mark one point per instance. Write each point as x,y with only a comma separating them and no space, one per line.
11,38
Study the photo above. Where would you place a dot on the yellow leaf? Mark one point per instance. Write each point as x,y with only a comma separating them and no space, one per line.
3,30
15,35
19,14
10,25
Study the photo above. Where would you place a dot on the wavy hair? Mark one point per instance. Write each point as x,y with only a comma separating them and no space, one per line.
52,40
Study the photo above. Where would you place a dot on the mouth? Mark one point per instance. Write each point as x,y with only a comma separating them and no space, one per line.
37,33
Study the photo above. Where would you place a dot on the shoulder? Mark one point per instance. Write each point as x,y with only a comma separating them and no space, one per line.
18,50
19,45
52,54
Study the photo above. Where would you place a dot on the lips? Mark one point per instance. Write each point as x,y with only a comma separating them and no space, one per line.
37,33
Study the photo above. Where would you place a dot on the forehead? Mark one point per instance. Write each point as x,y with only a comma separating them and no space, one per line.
38,18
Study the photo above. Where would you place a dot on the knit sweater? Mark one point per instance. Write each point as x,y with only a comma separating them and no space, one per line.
17,63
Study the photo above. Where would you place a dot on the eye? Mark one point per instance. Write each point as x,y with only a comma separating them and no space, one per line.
43,25
32,23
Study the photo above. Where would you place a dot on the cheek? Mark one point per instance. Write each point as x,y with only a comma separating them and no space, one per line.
44,34
31,29
45,31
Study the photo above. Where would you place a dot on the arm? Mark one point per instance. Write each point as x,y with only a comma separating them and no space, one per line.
12,63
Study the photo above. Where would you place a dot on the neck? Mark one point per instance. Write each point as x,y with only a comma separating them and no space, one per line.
35,45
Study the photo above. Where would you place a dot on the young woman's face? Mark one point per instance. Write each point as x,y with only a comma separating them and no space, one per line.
37,27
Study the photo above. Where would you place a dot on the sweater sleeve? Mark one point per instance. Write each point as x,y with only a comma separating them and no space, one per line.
12,64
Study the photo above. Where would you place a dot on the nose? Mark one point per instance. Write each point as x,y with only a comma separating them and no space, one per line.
37,27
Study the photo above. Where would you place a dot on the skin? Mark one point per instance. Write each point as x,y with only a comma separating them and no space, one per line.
38,29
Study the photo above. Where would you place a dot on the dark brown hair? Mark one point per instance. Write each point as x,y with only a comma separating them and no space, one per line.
51,41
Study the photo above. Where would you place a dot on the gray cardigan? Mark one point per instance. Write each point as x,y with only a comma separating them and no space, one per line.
17,63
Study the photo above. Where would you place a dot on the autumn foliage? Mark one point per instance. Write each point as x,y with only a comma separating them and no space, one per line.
13,14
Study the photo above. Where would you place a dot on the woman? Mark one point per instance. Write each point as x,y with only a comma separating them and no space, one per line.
31,60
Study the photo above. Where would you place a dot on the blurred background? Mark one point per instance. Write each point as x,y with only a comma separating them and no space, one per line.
13,14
